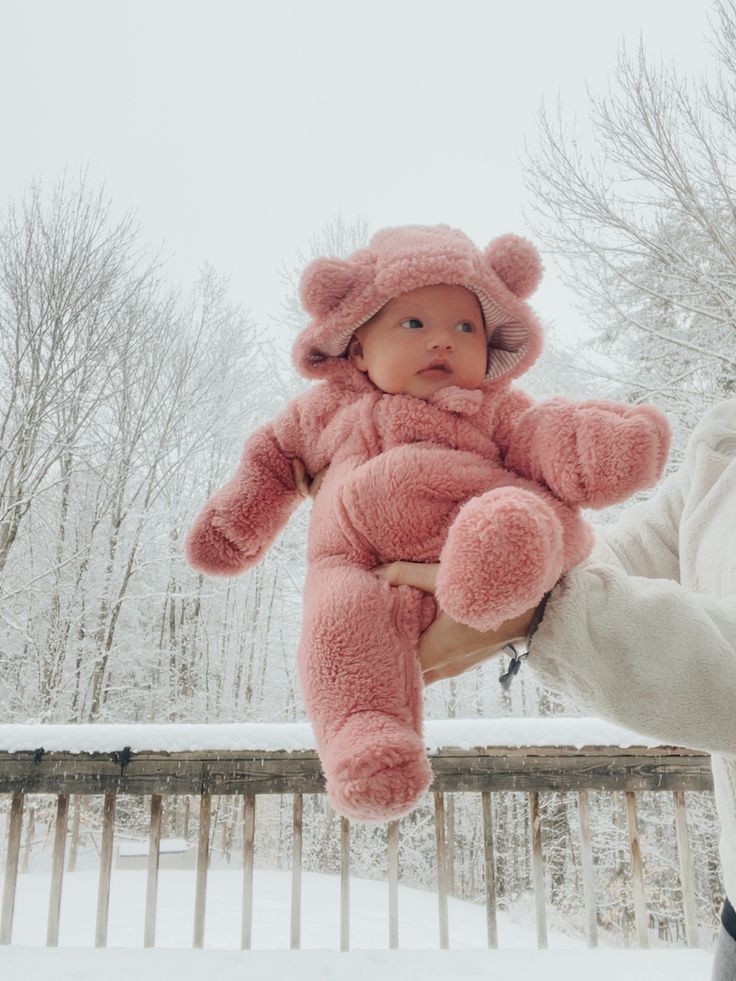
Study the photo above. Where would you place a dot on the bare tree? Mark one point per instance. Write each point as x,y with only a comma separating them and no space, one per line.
66,273
643,222
113,393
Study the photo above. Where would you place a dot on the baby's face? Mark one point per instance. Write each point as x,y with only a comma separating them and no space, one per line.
424,340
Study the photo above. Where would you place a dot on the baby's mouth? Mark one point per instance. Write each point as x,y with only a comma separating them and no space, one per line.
441,367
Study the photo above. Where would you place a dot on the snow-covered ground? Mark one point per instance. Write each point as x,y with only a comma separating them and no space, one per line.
418,917
25,964
468,959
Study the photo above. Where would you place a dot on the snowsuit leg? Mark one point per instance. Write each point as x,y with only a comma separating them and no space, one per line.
362,686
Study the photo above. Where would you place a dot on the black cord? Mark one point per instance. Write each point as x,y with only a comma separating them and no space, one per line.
518,656
514,665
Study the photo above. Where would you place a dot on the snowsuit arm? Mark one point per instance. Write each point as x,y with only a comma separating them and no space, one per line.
589,454
239,523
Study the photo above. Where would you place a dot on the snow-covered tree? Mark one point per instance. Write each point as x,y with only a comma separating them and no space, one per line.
642,218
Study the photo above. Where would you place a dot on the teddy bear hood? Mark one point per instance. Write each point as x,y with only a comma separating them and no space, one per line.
341,294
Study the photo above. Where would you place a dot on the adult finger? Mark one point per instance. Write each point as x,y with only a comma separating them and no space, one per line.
421,575
300,476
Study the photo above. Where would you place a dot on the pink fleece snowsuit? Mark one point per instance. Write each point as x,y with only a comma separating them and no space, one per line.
485,481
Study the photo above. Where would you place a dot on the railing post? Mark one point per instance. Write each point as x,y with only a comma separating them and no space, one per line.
535,826
586,852
344,884
392,843
249,829
640,906
71,865
450,842
10,878
490,872
103,884
439,830
296,875
154,845
57,870
686,870
30,830
203,859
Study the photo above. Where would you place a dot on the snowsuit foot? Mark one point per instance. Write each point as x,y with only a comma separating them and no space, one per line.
504,550
376,768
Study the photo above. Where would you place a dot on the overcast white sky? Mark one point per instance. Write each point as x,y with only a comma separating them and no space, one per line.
236,130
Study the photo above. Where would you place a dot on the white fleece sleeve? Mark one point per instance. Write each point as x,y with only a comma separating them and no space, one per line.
645,539
629,644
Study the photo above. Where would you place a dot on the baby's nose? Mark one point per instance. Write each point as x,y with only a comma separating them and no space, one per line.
441,338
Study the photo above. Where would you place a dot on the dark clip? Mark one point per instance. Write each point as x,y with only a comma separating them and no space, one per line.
514,666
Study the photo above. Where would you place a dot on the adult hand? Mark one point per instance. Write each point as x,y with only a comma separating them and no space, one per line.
307,487
447,647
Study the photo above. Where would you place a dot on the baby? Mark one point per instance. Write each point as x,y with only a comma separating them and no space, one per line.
433,456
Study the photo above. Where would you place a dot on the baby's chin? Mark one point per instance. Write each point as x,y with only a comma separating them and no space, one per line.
427,388
429,393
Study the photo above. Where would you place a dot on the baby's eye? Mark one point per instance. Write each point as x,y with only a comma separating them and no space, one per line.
465,327
412,323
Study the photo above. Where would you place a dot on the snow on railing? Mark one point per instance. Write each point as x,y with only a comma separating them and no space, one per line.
468,756
289,736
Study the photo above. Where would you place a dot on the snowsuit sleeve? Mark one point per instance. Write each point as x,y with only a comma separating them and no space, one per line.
630,644
589,454
239,523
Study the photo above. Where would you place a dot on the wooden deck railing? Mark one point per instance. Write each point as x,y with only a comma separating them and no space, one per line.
485,771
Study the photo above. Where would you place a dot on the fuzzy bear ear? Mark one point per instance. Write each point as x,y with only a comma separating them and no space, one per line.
324,285
516,261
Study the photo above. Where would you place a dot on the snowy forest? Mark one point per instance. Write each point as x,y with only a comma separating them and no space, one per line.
124,403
